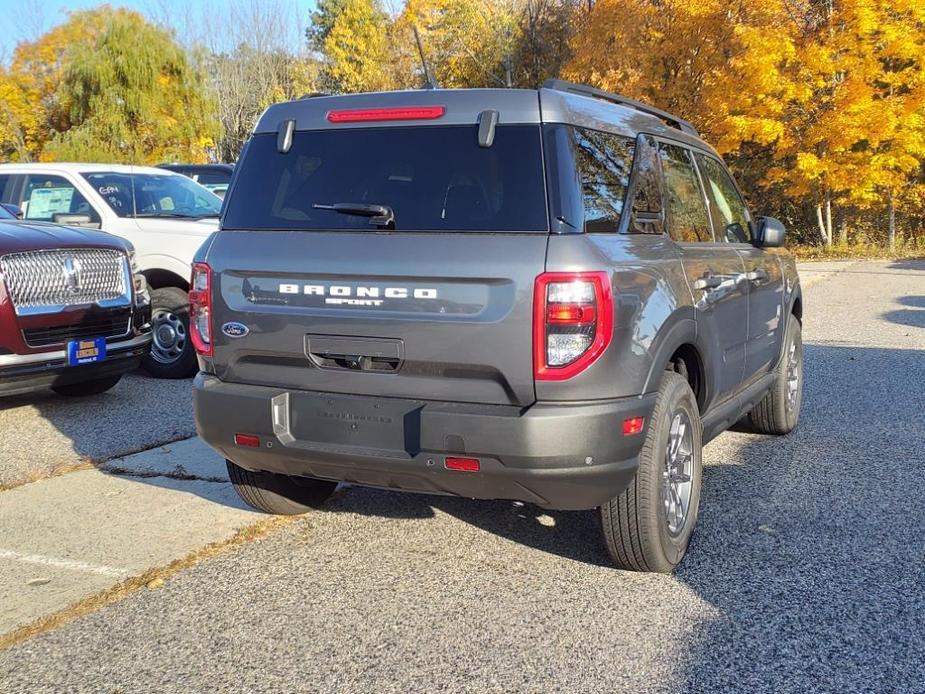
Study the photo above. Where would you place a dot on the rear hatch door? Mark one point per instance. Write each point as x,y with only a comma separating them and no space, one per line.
436,305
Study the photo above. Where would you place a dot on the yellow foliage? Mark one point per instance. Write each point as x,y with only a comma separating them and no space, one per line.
356,48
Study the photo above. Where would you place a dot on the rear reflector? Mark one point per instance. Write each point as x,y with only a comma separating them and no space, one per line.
248,440
633,425
463,464
379,114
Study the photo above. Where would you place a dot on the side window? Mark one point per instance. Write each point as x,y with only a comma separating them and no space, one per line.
647,189
726,205
6,185
687,214
44,197
604,164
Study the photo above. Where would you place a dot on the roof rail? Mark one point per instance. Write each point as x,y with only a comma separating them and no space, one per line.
672,120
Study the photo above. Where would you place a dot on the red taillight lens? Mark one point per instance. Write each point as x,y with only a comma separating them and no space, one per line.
200,309
463,464
361,115
572,322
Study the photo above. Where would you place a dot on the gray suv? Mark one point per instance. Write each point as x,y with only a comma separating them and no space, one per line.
555,296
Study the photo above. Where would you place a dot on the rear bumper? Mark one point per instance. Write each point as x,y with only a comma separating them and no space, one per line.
25,373
556,455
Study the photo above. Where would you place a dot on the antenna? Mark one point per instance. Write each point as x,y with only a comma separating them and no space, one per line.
429,82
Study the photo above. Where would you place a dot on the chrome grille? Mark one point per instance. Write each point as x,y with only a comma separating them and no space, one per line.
48,281
109,327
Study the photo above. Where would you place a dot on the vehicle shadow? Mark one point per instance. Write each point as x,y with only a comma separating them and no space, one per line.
913,316
809,546
910,264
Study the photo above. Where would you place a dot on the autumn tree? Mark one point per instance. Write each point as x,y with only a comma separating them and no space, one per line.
857,138
30,108
466,42
133,96
352,38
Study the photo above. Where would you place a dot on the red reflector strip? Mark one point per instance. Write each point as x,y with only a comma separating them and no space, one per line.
373,114
633,425
463,464
248,440
571,314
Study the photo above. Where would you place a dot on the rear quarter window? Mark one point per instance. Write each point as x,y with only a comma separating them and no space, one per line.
434,178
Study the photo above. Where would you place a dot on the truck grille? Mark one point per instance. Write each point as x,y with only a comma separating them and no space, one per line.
109,327
47,281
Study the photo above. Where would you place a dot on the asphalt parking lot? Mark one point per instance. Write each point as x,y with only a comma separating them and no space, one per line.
42,434
806,572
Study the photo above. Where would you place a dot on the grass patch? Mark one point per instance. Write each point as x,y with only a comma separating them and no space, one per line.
858,251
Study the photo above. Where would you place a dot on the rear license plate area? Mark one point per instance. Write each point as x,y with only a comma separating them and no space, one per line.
88,351
381,425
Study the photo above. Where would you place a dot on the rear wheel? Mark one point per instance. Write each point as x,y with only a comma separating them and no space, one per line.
779,412
648,526
172,354
283,495
85,388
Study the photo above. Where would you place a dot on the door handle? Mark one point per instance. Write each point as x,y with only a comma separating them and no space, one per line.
707,283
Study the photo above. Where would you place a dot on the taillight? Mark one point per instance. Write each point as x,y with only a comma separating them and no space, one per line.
200,309
572,322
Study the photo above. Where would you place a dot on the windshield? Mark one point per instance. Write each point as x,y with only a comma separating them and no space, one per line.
155,195
430,178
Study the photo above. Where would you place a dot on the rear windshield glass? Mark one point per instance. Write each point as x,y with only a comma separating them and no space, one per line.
432,178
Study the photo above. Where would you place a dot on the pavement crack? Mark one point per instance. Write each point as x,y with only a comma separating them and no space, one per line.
177,474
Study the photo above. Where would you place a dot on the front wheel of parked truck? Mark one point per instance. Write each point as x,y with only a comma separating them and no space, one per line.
648,526
172,354
779,412
282,495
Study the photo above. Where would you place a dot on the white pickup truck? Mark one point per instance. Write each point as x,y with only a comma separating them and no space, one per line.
165,215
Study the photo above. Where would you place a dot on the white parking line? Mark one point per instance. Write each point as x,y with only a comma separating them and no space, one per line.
54,562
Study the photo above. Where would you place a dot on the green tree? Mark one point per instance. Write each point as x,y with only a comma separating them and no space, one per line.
322,21
133,95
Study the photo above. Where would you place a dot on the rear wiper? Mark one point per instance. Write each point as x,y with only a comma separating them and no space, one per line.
379,215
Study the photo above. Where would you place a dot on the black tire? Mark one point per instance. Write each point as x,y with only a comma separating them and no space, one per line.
170,308
282,495
635,524
778,412
85,388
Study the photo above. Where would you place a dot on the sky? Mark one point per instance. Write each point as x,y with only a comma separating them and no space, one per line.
193,20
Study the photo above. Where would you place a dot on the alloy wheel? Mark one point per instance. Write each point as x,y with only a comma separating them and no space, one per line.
678,473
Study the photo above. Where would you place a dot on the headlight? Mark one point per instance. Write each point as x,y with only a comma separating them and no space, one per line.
142,298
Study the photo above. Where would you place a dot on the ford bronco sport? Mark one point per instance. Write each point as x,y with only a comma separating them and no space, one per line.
555,296
74,316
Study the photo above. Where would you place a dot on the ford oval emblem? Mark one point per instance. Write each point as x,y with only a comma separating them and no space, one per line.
235,329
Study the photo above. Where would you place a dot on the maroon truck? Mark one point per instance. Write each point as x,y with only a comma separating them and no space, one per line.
74,316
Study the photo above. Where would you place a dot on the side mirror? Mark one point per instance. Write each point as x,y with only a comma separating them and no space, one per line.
75,220
769,233
14,210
